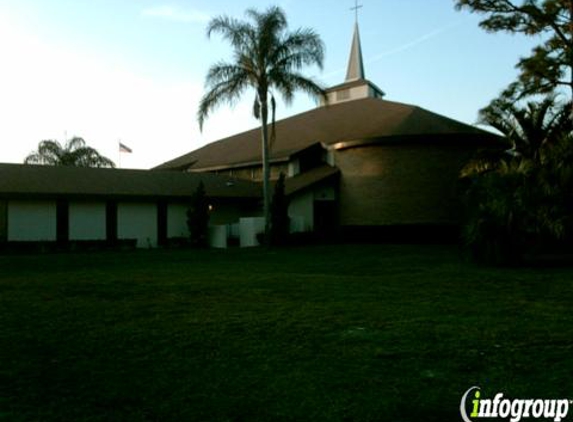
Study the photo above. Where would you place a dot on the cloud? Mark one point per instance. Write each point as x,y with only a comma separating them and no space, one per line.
399,49
413,43
175,14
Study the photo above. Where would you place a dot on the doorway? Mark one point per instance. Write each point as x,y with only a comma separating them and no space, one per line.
325,218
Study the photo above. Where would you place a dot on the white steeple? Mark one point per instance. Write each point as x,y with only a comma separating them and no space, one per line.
356,86
355,62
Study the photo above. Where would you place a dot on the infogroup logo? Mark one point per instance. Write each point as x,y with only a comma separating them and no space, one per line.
514,409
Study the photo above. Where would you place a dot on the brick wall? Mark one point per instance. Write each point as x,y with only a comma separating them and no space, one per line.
393,185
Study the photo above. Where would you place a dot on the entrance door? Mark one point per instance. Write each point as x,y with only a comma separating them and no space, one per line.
325,218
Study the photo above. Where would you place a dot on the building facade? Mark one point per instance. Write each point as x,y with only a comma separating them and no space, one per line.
358,163
108,206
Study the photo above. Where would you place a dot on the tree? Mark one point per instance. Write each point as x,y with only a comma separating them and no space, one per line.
554,182
521,197
528,132
75,153
268,59
550,64
529,128
496,212
280,221
521,206
198,217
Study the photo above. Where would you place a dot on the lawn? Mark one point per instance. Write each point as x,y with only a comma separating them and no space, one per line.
337,333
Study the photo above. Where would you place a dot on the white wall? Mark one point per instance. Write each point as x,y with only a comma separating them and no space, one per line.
302,207
31,220
350,94
218,236
138,221
177,220
249,227
87,221
293,168
361,91
330,157
297,224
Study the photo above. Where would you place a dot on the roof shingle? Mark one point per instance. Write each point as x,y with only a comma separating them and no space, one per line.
18,179
367,118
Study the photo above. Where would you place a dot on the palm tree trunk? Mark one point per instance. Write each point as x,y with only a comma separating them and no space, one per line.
266,167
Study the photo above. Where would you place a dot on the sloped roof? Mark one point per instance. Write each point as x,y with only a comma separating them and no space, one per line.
367,118
309,178
32,180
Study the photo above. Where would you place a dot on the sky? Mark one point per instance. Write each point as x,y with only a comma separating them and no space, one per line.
132,71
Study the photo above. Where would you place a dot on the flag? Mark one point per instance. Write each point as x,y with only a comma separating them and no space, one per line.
124,148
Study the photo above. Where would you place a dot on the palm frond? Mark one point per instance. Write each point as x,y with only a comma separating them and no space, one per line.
531,127
270,24
49,152
222,72
74,143
300,48
257,108
89,157
236,32
228,91
287,83
34,158
75,153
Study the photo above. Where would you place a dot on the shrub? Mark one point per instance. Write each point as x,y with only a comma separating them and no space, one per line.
521,206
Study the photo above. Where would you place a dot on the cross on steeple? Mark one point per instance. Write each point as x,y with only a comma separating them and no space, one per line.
356,8
355,86
355,63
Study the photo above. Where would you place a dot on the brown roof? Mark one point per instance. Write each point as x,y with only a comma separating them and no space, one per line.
32,180
309,178
367,118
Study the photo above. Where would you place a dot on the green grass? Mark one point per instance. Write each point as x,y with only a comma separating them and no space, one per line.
341,333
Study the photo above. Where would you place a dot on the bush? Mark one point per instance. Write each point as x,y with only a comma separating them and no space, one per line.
520,207
496,208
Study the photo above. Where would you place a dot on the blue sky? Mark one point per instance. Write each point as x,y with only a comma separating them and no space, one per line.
133,70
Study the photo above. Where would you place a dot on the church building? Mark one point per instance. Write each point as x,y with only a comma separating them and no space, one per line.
358,164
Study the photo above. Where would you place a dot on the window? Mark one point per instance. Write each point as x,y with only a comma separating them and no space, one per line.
343,95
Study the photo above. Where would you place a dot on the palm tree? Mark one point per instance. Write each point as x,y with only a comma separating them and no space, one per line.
268,59
496,203
531,128
75,153
521,196
530,131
